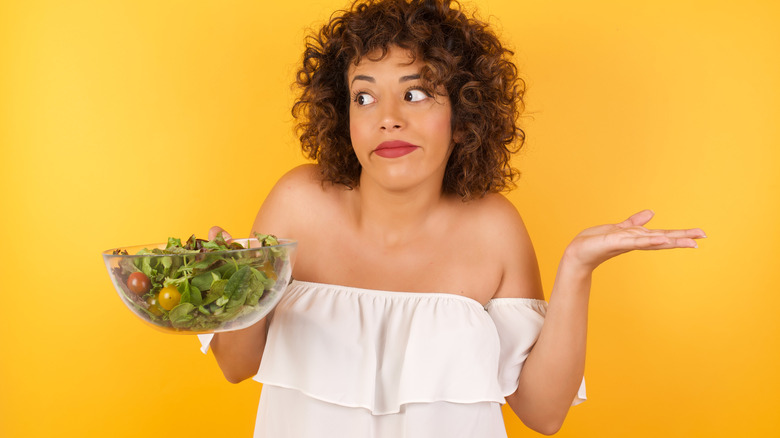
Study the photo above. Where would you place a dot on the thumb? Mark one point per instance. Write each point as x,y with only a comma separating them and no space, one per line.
215,230
638,219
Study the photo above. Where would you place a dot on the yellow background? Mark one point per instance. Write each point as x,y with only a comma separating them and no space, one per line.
125,122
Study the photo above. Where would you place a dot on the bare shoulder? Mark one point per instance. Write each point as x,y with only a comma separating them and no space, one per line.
496,220
291,201
303,180
501,227
496,209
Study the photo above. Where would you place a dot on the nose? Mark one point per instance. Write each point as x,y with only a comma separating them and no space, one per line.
391,116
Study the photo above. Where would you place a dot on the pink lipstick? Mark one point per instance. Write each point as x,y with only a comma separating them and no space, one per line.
394,149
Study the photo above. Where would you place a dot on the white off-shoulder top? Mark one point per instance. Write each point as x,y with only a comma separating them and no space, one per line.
360,363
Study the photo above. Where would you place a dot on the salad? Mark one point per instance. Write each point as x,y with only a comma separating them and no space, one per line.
199,285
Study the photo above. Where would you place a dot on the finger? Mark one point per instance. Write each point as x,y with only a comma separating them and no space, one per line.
684,243
638,219
215,230
692,233
661,242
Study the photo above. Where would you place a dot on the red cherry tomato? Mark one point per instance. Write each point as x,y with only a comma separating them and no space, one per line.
138,283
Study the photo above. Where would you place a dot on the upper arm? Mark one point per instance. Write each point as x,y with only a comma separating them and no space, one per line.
283,210
520,268
240,352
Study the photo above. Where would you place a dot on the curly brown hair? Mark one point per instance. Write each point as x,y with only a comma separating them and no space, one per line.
460,53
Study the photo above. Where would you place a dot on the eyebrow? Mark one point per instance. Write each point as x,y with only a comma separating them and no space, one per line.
371,79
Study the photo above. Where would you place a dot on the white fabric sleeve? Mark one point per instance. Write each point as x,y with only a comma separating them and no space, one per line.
519,322
205,341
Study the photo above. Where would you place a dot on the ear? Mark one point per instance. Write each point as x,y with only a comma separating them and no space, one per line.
457,136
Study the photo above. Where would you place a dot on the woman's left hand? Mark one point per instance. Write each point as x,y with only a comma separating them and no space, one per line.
596,245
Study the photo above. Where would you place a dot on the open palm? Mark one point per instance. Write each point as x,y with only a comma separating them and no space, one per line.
596,245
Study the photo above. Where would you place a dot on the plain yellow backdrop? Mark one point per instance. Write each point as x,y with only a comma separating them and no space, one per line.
125,122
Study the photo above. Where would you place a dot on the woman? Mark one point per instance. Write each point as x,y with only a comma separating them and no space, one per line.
417,299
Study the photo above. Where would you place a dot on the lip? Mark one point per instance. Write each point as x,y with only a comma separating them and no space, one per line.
394,149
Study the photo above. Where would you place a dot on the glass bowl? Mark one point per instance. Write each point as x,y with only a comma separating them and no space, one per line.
195,292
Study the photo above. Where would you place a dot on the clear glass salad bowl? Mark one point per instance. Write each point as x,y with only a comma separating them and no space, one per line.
202,287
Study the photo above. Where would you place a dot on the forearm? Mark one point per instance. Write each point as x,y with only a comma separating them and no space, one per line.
553,370
239,352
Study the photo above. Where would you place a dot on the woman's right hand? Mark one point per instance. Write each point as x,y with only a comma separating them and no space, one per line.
239,352
215,230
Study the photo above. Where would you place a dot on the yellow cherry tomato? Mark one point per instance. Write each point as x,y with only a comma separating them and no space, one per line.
268,270
169,297
154,308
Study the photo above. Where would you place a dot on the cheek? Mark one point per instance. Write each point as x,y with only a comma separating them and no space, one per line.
355,131
443,125
358,138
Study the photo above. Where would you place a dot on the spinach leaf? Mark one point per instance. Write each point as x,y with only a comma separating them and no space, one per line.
205,280
258,287
173,242
237,288
195,296
216,291
180,315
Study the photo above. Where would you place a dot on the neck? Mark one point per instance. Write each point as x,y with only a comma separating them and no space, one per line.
393,218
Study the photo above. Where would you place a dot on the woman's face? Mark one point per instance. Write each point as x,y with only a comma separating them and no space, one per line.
401,133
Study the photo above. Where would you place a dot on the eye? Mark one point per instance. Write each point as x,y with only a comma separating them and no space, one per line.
363,99
415,95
